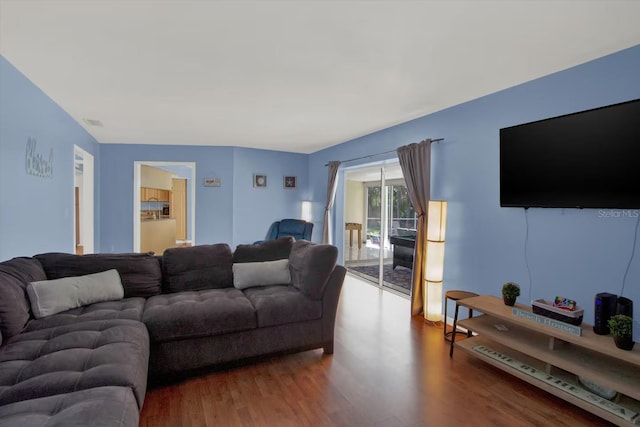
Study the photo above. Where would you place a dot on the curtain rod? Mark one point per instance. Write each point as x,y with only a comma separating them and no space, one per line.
384,152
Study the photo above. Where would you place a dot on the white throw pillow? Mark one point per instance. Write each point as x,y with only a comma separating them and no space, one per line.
248,274
49,297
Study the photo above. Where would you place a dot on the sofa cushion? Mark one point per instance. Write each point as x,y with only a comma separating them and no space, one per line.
75,357
128,308
198,314
267,251
277,305
198,267
15,311
248,274
140,273
311,265
101,406
49,297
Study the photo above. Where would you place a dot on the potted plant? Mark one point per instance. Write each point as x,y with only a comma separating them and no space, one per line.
510,291
621,327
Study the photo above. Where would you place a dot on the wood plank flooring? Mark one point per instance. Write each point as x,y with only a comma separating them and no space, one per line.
388,369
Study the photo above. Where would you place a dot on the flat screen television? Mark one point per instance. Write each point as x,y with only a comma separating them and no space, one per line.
589,159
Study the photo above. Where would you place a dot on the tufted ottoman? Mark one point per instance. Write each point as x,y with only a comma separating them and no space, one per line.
75,357
103,406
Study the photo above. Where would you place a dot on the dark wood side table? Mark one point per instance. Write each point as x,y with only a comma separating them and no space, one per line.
455,296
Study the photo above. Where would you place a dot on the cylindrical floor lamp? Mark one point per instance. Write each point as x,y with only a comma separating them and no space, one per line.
434,270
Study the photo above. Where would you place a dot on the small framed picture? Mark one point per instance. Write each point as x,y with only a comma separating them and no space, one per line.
290,182
259,180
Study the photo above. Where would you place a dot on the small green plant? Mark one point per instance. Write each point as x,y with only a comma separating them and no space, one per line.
511,290
621,325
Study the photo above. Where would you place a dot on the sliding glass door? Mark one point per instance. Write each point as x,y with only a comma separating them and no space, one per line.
400,218
385,212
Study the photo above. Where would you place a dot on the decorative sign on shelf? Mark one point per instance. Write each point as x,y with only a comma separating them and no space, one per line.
547,321
35,164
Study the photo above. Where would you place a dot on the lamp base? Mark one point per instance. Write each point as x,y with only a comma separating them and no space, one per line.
433,301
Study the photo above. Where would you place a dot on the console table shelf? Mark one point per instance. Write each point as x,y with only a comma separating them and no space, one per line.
554,352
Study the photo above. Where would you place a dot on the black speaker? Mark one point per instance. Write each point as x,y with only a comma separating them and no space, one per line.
606,305
625,306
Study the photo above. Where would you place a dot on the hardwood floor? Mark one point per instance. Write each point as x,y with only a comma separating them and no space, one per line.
388,369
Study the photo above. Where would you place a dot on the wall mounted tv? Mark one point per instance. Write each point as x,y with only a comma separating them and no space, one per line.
589,159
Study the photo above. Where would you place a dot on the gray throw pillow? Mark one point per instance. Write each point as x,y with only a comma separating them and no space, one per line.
54,296
248,274
140,274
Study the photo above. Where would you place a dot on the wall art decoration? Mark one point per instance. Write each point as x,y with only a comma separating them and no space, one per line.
34,163
259,180
290,182
212,182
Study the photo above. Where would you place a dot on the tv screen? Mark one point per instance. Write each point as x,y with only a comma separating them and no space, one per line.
589,159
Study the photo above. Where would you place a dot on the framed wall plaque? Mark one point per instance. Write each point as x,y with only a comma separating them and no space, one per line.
259,180
290,182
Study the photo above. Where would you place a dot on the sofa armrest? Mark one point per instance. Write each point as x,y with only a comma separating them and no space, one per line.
330,300
311,266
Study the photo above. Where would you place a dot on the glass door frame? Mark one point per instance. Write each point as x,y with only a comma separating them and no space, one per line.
386,213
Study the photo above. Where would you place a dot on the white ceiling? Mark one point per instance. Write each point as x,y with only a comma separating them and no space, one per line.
292,75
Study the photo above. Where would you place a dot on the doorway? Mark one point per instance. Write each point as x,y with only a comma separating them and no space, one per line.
181,170
376,198
83,197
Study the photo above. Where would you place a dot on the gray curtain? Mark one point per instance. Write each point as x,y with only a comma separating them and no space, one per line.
331,194
415,161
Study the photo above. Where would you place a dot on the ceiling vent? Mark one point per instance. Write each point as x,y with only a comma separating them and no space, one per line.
93,122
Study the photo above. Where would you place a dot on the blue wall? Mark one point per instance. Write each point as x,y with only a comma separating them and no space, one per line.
574,253
233,213
214,220
255,209
36,214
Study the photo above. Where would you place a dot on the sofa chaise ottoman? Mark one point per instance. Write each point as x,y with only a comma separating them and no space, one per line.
96,407
187,309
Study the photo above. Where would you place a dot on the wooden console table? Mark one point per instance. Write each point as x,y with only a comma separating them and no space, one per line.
552,360
350,226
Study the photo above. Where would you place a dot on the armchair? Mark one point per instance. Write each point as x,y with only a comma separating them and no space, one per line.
297,228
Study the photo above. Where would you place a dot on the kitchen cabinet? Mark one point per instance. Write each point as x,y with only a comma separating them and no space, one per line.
154,195
157,235
151,177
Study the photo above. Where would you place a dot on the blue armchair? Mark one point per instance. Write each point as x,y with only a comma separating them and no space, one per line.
297,228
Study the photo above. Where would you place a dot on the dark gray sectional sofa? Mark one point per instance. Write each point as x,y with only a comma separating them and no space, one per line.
188,309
